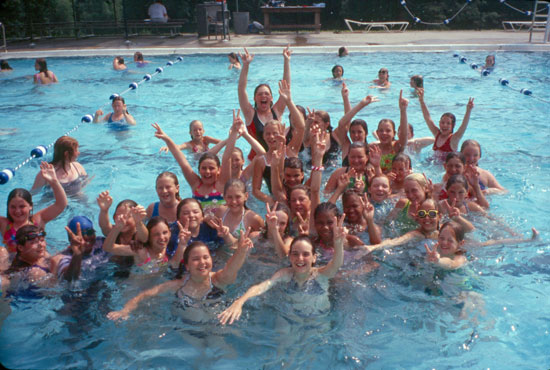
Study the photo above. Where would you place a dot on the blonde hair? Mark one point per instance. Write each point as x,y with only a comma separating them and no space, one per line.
421,180
277,123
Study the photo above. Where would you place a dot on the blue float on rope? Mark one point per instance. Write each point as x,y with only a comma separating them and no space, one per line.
503,81
180,59
159,70
87,118
39,151
485,72
417,20
147,77
455,55
474,66
463,59
526,92
133,86
113,96
6,175
169,63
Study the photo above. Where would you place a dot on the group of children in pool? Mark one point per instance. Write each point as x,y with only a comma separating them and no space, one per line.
385,204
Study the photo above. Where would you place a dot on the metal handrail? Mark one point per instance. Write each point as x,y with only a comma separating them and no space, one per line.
4,44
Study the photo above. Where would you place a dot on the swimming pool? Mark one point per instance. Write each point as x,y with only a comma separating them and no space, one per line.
385,319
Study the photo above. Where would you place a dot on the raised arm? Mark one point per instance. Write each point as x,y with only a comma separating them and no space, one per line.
192,178
389,243
277,168
104,201
183,239
233,312
343,125
238,123
279,106
431,125
281,247
257,181
216,148
72,272
455,139
403,131
331,268
345,98
472,174
47,214
296,121
109,245
228,274
318,150
246,108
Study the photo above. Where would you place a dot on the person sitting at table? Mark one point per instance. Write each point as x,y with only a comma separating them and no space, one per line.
157,12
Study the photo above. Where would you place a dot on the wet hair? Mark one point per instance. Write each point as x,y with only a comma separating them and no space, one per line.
294,162
235,183
451,116
302,238
139,56
334,69
191,125
381,176
154,221
42,66
5,65
359,145
348,194
387,120
211,156
125,202
120,59
362,123
18,193
432,201
411,129
325,117
256,90
385,70
453,155
402,157
190,247
341,51
173,177
299,187
277,123
421,180
418,80
238,150
21,238
457,229
469,142
326,207
185,201
234,56
457,179
282,208
62,145
118,98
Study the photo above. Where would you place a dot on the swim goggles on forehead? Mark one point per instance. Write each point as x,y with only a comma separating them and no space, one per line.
432,213
32,236
89,232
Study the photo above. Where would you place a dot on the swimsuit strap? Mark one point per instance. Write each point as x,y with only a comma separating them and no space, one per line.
45,269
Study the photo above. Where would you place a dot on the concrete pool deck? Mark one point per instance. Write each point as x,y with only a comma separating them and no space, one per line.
326,41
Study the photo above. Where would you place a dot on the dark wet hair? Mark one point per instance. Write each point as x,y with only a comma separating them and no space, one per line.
211,156
326,207
470,142
120,59
187,201
4,64
334,69
402,157
384,120
418,80
457,179
457,229
359,145
42,66
139,56
190,247
294,162
341,51
451,116
154,221
362,123
411,128
173,177
302,238
453,155
21,238
234,56
256,90
18,193
349,193
125,202
62,145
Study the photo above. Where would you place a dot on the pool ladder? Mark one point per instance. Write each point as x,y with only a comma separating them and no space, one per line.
541,20
4,44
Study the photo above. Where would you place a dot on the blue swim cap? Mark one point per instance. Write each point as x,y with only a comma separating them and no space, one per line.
85,223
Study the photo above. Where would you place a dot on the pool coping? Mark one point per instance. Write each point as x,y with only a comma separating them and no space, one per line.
273,50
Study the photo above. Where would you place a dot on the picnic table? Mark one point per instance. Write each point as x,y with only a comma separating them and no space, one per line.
268,11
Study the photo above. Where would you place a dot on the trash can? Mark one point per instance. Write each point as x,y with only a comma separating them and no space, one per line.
240,22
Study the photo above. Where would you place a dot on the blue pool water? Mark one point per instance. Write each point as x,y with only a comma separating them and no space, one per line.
399,316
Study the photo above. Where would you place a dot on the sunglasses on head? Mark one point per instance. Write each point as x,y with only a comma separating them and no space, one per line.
32,236
432,213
